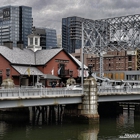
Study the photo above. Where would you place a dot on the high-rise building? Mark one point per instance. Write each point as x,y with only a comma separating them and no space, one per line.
48,38
59,41
15,24
51,38
71,33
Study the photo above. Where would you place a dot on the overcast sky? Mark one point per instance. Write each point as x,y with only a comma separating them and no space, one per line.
49,13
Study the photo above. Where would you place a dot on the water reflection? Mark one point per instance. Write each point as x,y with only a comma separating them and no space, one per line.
43,125
90,134
3,128
125,122
48,114
114,127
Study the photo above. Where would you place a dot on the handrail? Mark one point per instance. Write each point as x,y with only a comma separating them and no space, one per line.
117,89
33,92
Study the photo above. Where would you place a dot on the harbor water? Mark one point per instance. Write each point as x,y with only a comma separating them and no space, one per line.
18,127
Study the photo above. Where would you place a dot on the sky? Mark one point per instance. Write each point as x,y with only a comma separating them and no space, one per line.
49,13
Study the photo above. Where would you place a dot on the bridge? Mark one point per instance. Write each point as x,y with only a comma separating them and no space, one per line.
32,96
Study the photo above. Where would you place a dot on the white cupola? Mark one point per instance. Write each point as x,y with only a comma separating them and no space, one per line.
34,42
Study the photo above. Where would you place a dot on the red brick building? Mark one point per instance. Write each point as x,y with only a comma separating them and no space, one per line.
116,65
26,66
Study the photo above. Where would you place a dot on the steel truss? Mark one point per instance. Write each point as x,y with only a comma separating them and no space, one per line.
112,34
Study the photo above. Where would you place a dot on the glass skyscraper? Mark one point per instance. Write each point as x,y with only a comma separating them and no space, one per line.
51,38
71,33
15,24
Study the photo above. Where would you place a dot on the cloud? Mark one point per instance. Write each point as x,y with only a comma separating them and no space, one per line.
49,13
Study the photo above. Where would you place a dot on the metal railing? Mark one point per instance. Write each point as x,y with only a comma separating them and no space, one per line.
121,90
33,92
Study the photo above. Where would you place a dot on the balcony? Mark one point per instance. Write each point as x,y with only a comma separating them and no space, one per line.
64,73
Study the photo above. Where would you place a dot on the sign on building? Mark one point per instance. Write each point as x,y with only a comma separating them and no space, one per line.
131,53
5,14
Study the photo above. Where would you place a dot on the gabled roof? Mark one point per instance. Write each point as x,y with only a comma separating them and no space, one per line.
43,56
17,55
78,62
27,56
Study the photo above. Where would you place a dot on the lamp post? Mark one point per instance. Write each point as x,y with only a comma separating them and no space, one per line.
71,74
90,66
8,72
82,75
33,78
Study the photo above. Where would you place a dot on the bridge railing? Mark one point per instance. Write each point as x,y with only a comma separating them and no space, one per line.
32,92
118,90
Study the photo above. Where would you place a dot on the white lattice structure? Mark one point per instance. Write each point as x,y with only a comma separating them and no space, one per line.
119,33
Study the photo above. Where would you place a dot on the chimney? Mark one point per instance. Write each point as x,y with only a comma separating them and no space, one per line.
20,44
9,44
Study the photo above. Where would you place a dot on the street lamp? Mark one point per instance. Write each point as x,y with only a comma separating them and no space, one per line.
71,73
8,72
90,66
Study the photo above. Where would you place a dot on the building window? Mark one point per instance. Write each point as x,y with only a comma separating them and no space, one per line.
31,41
36,41
129,69
130,58
129,64
78,57
61,69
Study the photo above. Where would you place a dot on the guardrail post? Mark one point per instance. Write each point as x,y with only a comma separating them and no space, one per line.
19,92
41,91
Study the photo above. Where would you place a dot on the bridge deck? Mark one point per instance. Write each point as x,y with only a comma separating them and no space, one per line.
29,96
